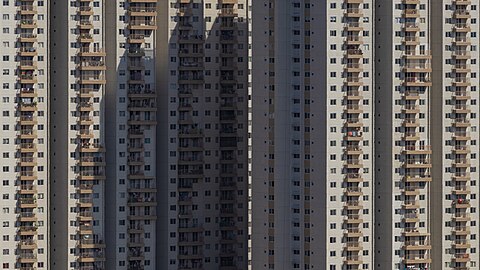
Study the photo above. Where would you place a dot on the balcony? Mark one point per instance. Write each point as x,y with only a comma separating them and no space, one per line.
461,136
27,189
27,258
410,204
461,257
91,65
411,40
354,53
417,150
89,257
136,38
27,78
353,191
27,202
85,38
416,163
27,147
352,218
462,2
461,13
461,163
85,188
353,205
411,95
416,245
85,106
411,27
353,232
136,242
417,81
353,178
142,25
461,230
142,11
227,12
85,202
410,122
413,232
91,148
91,79
353,40
27,230
90,175
27,176
27,244
141,201
410,218
27,10
410,136
461,244
461,122
461,176
190,39
85,216
353,12
410,13
462,94
462,41
90,244
27,134
461,81
85,25
27,217
353,68
85,11
27,65
461,217
353,27
416,259
352,260
90,52
27,37
353,81
461,203
85,120
85,134
27,24
461,27
27,161
27,93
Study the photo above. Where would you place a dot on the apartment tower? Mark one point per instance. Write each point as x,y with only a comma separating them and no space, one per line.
455,119
77,167
24,135
311,168
402,135
131,134
202,156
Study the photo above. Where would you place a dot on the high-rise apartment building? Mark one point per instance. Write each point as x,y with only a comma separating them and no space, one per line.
402,135
77,164
312,142
202,164
235,134
24,107
454,189
131,131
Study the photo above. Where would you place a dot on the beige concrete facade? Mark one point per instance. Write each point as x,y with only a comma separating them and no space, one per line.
202,166
312,135
77,169
455,116
24,122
